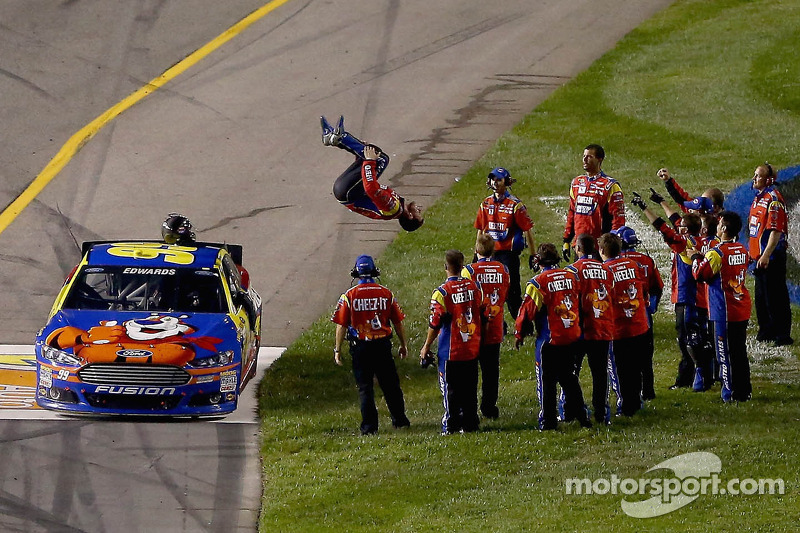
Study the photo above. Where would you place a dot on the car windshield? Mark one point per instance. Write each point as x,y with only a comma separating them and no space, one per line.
121,288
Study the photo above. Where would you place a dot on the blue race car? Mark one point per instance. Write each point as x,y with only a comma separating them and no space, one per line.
148,328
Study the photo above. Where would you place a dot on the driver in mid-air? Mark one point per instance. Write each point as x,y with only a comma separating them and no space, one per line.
357,188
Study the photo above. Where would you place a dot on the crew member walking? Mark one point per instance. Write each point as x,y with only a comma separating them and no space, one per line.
363,315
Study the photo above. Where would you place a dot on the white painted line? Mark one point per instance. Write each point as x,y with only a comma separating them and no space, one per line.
17,349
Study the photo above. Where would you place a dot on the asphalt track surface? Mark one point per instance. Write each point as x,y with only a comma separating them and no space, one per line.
233,142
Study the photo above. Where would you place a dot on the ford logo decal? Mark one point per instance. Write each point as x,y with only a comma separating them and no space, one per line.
134,353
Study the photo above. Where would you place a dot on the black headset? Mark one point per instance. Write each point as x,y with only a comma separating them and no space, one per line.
374,273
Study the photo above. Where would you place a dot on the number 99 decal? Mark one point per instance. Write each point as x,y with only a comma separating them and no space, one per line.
179,255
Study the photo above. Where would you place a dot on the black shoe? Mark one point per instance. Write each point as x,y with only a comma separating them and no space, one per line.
649,396
492,413
585,423
784,341
763,337
548,426
401,424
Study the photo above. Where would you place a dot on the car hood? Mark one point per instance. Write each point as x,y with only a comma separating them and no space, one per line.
139,337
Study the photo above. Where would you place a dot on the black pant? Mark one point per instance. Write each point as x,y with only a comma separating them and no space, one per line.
373,359
628,359
460,388
489,359
557,367
729,341
596,352
514,296
686,320
773,311
648,380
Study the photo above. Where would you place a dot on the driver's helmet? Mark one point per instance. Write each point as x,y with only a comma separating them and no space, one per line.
177,229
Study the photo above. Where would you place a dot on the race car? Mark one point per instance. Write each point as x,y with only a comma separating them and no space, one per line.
149,328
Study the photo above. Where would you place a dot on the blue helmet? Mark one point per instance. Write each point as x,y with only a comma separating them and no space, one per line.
365,268
701,203
627,236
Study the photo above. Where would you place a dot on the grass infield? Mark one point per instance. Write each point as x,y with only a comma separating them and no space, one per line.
708,89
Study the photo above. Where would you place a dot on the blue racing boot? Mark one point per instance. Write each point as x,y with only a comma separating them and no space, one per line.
332,136
699,382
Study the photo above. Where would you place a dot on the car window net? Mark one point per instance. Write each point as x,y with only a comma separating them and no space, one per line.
164,290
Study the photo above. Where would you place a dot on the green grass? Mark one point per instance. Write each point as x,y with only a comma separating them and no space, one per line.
708,89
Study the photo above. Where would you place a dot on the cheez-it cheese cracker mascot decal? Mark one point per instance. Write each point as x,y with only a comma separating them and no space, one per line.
155,339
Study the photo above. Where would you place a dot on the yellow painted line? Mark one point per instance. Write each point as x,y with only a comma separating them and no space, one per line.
25,378
76,142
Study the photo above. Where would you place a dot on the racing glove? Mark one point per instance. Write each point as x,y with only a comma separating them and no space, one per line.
655,197
638,202
565,250
533,262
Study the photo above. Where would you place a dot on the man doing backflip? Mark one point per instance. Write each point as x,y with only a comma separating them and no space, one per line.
357,188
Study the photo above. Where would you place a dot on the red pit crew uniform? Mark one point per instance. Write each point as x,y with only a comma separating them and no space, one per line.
596,206
630,298
367,310
551,303
455,312
773,312
597,323
655,288
506,220
493,278
724,269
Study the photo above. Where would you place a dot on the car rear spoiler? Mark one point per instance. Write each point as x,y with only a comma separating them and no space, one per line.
234,249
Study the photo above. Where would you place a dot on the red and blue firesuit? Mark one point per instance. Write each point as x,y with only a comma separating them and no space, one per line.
492,276
455,312
552,304
506,219
724,269
596,206
357,188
